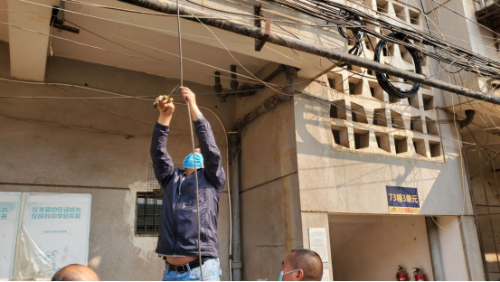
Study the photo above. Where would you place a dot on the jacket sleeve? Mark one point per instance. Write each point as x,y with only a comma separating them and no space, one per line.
162,162
211,154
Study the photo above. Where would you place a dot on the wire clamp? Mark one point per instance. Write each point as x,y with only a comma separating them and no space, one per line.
259,43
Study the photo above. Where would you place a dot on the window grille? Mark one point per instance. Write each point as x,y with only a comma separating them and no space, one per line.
148,213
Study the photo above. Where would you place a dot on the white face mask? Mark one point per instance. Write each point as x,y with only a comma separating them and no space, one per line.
281,274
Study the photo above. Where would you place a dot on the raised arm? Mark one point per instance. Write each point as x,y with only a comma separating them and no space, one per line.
211,153
162,162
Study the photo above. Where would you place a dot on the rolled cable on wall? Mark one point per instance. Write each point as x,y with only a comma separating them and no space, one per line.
357,35
383,79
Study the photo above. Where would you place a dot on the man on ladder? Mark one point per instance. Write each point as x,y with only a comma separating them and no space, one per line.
178,239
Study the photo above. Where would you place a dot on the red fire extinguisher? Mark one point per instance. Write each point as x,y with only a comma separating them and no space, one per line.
401,275
419,275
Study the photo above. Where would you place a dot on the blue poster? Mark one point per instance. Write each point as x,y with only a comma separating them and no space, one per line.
403,200
10,208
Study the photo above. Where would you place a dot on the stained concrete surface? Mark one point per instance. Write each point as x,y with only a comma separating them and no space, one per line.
271,225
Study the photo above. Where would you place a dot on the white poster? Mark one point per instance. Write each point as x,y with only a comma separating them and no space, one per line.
326,274
55,233
10,206
318,242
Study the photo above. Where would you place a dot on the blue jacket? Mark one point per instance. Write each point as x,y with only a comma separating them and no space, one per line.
179,221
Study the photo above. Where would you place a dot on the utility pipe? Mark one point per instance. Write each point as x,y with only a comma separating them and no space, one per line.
234,170
289,42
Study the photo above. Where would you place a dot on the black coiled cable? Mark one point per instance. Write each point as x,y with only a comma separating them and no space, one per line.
383,79
358,35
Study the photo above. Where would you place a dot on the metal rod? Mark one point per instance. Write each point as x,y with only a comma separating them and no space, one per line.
289,42
192,139
180,43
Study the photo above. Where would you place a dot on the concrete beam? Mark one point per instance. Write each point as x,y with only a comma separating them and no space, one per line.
28,51
310,66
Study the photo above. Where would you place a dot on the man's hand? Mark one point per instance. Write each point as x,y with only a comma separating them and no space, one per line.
166,110
165,107
188,95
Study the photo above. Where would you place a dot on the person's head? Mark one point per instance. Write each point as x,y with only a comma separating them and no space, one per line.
75,272
302,265
189,161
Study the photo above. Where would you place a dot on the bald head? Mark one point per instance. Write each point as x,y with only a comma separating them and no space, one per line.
75,272
310,263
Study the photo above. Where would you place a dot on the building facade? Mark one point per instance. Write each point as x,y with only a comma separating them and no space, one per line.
318,144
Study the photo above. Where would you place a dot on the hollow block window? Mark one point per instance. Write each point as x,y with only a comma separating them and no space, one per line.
432,127
379,117
428,101
416,124
369,3
388,50
400,144
435,148
337,109
400,12
361,139
331,82
405,55
358,113
354,69
393,99
413,101
383,141
383,6
148,213
355,86
340,136
419,145
423,59
376,91
336,82
397,120
414,17
370,42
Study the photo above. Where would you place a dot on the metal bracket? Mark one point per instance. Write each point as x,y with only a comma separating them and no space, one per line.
57,19
259,43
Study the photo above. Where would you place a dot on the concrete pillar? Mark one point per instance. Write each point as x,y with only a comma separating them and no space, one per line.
435,249
473,253
28,50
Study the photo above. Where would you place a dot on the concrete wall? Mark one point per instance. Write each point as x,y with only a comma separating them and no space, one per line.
42,150
343,179
269,188
334,181
371,247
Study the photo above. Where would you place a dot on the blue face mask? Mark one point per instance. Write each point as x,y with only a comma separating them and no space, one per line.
189,161
281,274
